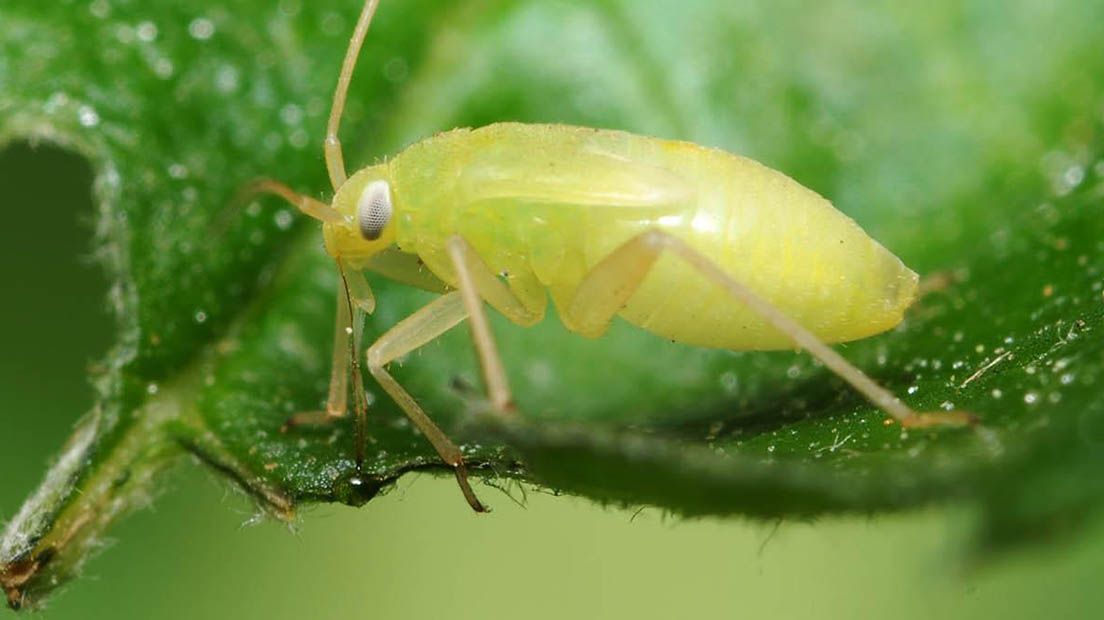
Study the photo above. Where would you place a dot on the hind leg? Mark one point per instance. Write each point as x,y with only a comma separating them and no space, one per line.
610,284
477,283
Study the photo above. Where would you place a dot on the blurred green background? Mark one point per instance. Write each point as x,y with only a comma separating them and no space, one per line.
419,552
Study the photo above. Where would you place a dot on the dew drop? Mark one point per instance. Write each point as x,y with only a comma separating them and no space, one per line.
332,24
55,102
912,389
163,68
201,28
146,31
290,8
87,116
1031,398
1072,177
299,138
200,317
283,219
996,393
99,8
152,389
226,79
291,114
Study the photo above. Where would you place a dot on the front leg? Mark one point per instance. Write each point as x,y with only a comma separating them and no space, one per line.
337,399
354,299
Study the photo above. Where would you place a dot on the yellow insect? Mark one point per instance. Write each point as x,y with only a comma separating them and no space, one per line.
691,243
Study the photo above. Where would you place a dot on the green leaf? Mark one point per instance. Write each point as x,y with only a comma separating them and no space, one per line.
968,139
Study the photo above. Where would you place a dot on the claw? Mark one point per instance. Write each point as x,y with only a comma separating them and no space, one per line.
462,479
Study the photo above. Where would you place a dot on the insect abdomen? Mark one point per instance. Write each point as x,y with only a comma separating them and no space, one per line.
782,240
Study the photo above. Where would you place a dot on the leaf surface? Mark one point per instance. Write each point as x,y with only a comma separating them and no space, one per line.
967,139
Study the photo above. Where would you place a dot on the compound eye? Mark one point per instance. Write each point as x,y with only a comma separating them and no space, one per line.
374,209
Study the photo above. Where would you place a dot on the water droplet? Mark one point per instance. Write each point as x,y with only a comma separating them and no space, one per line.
1031,398
146,31
124,34
200,317
299,138
912,389
996,393
770,448
152,389
283,219
201,28
87,116
290,8
163,68
178,171
291,114
226,79
1072,177
947,405
729,381
55,102
333,24
1066,379
99,8
793,372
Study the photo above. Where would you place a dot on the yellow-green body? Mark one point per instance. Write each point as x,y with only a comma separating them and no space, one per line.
542,204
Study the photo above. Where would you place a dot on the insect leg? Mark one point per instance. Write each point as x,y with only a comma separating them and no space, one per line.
477,282
432,320
609,285
335,161
337,401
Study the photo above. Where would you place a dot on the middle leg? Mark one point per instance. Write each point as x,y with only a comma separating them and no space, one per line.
476,282
432,320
